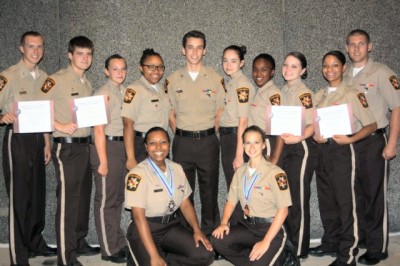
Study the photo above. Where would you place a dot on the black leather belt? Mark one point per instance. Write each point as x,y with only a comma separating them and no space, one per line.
227,130
140,134
72,140
380,131
162,219
195,134
116,138
258,220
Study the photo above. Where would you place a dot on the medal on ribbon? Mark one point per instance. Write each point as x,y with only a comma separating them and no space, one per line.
247,191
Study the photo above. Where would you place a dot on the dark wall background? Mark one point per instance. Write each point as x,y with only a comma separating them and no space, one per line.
129,26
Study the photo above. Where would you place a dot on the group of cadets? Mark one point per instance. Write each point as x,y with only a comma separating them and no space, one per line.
268,177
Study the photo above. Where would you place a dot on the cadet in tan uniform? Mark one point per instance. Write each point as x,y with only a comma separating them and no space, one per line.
263,191
267,95
197,97
379,86
25,155
299,157
155,189
108,159
146,105
337,165
70,153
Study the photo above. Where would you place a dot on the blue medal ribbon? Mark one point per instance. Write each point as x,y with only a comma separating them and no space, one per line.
168,185
247,189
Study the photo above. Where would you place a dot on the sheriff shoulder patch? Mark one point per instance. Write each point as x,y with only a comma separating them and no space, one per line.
363,99
395,82
48,85
133,182
275,99
129,94
306,100
3,82
166,85
282,181
243,94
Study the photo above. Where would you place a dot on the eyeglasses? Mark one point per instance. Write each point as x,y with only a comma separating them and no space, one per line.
153,67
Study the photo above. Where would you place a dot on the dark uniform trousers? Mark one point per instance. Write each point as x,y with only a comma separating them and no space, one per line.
201,156
336,172
371,192
237,245
74,185
299,162
174,243
109,197
25,179
139,149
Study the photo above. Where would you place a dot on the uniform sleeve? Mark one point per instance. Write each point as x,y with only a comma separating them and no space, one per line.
48,89
220,93
318,97
187,189
307,100
280,189
233,196
244,97
135,190
131,103
390,87
361,110
4,90
171,93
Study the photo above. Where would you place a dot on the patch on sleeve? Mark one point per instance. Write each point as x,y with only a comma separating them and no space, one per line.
166,85
275,99
3,82
129,94
306,100
133,182
282,181
223,84
48,85
395,82
363,99
243,94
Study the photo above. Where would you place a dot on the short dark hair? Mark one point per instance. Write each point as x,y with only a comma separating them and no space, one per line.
154,129
303,61
338,54
240,50
29,33
358,32
111,57
266,57
81,42
194,34
253,129
148,52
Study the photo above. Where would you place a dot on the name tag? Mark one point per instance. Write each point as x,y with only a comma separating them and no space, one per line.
158,190
22,92
154,101
74,94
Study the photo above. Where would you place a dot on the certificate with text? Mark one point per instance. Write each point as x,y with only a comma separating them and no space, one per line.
90,111
333,120
34,116
285,119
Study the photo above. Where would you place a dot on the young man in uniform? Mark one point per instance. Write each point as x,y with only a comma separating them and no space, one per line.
197,97
379,84
70,153
25,155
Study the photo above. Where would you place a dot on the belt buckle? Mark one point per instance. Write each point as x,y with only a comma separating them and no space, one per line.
251,220
166,218
196,135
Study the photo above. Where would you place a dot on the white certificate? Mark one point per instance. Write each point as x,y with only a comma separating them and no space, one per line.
285,119
333,120
90,111
34,116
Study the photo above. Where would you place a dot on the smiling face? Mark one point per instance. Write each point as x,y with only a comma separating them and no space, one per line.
262,72
152,76
157,146
333,69
116,71
253,144
292,69
32,50
194,51
231,62
81,59
358,49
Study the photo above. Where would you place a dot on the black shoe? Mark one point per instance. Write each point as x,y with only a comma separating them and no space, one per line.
303,257
88,251
319,251
218,256
119,257
72,263
368,259
338,262
47,252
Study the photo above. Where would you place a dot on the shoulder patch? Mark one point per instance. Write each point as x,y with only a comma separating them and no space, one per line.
133,182
395,82
223,84
306,100
48,85
3,82
166,85
129,94
243,94
275,99
363,99
281,180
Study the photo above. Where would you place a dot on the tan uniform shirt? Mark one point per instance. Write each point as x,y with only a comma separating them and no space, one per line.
196,102
144,189
269,193
145,106
299,95
18,84
62,87
381,88
239,95
267,95
115,98
362,115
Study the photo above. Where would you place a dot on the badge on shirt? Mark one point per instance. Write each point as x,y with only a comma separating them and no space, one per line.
306,100
243,94
282,181
129,94
363,99
166,85
223,84
395,82
3,82
133,182
275,99
48,85
208,92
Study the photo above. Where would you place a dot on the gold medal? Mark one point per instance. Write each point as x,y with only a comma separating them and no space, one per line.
171,206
